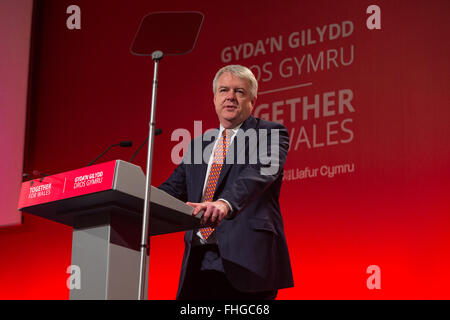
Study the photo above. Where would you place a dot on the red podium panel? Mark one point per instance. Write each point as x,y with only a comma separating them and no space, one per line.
68,184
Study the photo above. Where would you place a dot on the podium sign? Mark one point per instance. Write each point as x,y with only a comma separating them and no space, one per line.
67,185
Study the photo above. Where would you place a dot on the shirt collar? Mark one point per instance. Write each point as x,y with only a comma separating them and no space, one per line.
235,129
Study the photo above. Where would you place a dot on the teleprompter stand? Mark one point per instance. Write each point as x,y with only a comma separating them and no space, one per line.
160,34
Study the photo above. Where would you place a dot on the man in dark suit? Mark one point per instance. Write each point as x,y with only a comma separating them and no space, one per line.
242,252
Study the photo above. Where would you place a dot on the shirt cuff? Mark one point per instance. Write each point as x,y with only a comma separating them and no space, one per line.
228,204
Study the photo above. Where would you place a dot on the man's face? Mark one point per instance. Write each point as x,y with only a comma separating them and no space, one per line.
233,100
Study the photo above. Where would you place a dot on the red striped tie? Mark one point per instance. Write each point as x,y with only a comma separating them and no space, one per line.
214,173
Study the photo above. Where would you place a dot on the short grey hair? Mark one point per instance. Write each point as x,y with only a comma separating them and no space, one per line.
241,72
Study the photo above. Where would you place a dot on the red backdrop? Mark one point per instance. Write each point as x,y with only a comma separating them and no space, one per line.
389,207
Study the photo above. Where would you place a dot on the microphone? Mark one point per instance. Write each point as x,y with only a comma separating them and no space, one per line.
124,144
37,173
157,133
27,177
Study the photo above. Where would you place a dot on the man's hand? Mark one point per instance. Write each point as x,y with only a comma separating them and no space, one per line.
214,212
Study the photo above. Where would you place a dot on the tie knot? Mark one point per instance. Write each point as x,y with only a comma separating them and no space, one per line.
226,133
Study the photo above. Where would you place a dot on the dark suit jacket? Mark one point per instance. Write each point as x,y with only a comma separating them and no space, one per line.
251,241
